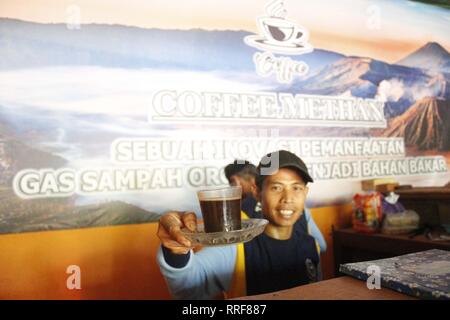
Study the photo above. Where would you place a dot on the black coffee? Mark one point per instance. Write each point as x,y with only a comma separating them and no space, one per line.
221,215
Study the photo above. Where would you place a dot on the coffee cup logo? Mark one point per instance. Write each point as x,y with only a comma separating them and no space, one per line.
278,34
280,31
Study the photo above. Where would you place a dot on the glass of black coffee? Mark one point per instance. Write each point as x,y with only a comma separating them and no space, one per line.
221,208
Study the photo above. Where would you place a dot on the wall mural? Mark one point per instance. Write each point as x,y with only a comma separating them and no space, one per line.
112,114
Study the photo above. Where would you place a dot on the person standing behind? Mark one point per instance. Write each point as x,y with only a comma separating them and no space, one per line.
243,173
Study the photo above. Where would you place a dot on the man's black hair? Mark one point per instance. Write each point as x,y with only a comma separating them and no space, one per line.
240,168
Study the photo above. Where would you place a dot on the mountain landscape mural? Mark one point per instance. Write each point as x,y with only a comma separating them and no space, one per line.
424,72
426,125
420,58
67,94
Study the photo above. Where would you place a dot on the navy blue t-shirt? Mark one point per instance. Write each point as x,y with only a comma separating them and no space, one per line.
248,206
273,265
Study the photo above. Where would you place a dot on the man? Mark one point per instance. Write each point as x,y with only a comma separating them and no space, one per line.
243,173
280,258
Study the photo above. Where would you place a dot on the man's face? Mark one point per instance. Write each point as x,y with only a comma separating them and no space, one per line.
283,197
247,184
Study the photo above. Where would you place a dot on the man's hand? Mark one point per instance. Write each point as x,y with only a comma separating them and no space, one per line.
169,230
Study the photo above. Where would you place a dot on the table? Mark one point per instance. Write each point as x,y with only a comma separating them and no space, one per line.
351,246
342,288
